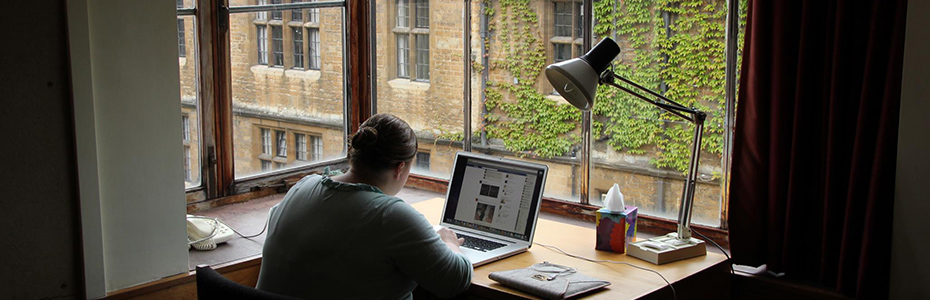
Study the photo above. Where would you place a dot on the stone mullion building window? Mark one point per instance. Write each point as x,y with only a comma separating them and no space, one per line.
412,42
313,38
565,32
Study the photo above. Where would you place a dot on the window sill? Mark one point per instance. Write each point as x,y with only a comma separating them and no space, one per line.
645,224
266,70
308,75
407,84
182,61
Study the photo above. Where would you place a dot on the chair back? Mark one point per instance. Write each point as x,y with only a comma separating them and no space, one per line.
211,285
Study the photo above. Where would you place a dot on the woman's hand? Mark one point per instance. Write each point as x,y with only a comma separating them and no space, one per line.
451,240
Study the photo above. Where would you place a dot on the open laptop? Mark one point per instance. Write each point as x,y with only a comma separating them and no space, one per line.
493,203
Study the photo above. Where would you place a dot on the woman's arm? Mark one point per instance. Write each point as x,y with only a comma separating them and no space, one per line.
420,253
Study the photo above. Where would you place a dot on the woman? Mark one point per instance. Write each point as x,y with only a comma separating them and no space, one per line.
347,237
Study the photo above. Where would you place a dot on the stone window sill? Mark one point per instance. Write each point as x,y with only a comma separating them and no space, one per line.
407,84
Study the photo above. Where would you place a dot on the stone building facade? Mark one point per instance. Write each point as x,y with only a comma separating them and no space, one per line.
288,82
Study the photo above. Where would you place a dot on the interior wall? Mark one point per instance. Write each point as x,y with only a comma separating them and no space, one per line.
40,248
137,122
910,267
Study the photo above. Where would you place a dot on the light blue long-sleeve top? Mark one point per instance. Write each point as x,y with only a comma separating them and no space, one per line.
334,240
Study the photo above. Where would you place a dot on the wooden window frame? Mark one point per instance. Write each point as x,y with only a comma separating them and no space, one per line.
213,49
218,178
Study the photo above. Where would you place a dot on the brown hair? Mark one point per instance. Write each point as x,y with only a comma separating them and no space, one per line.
382,142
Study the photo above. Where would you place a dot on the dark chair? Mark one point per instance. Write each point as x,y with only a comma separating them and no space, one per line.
211,285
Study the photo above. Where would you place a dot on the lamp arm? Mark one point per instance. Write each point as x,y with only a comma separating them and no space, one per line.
694,116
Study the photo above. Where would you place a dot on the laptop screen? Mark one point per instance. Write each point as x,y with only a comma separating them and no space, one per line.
495,195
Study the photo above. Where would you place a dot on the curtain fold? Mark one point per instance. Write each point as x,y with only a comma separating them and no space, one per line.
812,187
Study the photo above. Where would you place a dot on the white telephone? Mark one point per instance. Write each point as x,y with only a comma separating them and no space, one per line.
203,233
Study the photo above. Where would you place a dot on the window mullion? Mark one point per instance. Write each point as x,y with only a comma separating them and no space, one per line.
217,150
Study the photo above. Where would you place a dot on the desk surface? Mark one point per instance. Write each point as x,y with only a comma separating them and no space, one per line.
626,282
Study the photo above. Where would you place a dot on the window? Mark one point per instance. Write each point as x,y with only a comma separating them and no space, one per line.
566,30
266,141
298,48
276,14
312,102
262,39
266,166
297,15
281,138
314,48
187,163
261,15
292,98
301,140
422,13
186,128
403,17
277,45
422,164
423,57
314,14
279,166
418,35
403,56
182,49
317,146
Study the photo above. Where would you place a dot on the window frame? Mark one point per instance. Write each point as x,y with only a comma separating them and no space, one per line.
415,64
211,43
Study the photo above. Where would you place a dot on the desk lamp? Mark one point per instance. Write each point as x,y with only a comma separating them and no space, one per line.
576,80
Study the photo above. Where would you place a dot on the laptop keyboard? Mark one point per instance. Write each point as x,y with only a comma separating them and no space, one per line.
480,244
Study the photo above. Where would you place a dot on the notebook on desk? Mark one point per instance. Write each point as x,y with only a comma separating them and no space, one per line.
493,203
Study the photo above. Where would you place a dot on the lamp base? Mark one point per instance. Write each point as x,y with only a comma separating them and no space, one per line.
664,249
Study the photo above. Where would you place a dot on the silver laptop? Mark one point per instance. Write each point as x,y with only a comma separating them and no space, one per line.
493,203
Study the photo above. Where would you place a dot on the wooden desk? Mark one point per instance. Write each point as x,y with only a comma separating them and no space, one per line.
704,277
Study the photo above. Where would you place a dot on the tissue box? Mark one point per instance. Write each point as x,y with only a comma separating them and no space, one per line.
615,229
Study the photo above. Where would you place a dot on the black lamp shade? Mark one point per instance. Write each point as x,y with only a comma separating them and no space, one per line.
576,79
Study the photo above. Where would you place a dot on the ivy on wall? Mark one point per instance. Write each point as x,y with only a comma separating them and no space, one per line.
673,46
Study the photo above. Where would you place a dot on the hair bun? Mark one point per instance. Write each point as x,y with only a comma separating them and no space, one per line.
365,138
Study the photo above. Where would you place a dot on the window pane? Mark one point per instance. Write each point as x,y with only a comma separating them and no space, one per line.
281,139
264,14
422,57
262,44
403,55
314,48
403,14
297,14
422,13
276,14
314,14
563,19
190,98
182,42
298,38
274,107
301,140
422,82
422,162
641,147
277,43
561,52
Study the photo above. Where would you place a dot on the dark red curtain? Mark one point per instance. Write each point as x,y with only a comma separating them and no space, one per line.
813,175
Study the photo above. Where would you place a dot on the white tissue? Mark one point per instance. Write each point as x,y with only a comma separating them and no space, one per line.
614,200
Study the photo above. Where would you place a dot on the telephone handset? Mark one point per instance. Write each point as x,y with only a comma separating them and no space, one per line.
203,233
